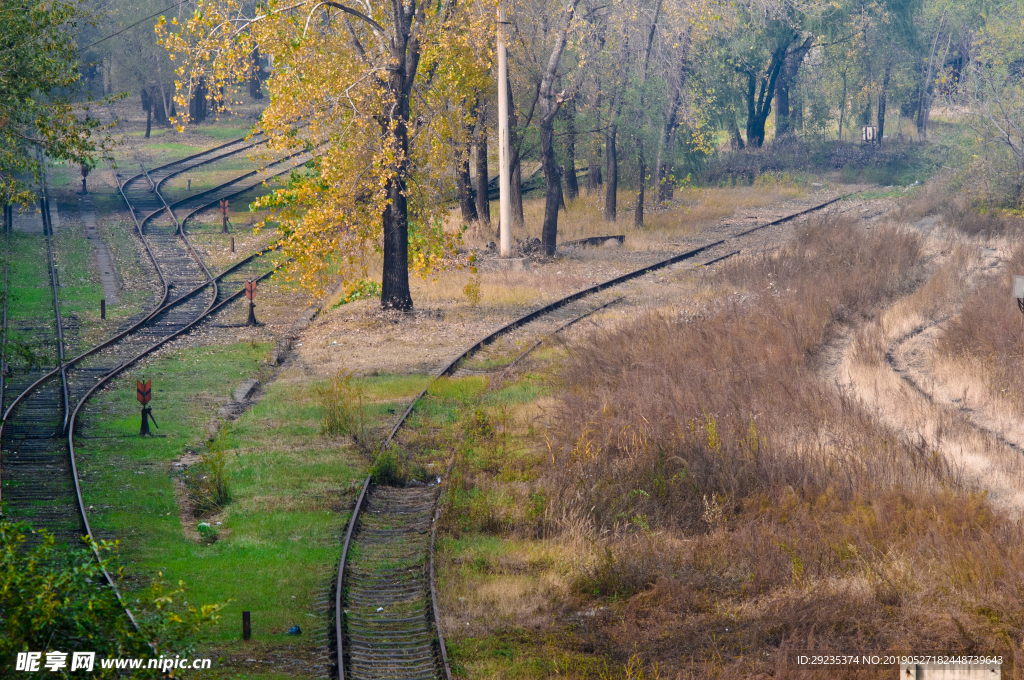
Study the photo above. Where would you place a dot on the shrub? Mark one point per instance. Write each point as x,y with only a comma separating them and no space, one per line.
207,480
388,469
359,290
52,599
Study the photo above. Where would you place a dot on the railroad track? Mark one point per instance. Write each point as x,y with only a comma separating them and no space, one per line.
40,481
36,475
386,616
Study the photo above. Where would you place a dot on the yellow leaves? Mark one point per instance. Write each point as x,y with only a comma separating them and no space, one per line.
324,94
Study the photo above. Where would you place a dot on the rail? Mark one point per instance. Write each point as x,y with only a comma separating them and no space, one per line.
486,340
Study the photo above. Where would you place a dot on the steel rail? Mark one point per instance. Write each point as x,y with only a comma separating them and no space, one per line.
8,220
44,208
189,158
488,339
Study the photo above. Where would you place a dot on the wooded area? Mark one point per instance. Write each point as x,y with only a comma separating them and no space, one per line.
400,99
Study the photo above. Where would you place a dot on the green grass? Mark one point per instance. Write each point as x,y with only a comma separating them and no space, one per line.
30,302
291,491
520,654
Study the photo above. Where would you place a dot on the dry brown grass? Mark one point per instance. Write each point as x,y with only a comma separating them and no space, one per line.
989,334
685,215
745,509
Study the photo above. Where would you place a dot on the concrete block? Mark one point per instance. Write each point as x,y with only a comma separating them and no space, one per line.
245,390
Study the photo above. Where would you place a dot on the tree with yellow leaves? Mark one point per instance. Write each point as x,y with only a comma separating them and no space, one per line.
378,90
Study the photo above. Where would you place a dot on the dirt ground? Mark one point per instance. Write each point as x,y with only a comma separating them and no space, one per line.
358,337
911,387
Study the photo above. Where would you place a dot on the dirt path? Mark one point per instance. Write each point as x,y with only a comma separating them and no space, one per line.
889,365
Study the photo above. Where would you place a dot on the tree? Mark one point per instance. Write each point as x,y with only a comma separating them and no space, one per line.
550,101
991,93
38,110
378,95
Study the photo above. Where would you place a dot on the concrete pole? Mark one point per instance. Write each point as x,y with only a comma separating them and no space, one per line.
504,172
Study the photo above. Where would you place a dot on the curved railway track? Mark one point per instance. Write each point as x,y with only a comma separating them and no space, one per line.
37,472
386,622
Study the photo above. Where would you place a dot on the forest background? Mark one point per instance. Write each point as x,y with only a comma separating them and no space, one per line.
649,96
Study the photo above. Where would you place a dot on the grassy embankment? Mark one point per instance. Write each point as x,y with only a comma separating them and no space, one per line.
693,493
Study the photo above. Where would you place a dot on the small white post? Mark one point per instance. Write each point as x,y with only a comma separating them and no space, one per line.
504,172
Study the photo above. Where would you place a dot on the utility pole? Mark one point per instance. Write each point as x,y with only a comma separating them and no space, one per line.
504,172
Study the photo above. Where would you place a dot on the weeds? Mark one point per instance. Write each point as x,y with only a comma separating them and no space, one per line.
988,333
472,292
341,401
207,480
388,469
739,505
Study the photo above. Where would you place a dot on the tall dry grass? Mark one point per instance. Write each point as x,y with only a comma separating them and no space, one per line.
691,210
988,333
743,508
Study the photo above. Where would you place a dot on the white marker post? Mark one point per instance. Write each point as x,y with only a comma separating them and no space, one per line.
504,173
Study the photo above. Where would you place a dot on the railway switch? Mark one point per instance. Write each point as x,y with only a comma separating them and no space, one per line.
144,393
250,292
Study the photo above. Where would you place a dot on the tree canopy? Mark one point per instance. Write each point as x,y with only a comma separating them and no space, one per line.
40,106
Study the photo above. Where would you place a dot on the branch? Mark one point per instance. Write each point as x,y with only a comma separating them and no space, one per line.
356,13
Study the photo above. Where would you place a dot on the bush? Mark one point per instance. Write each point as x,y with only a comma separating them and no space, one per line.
52,598
359,290
472,292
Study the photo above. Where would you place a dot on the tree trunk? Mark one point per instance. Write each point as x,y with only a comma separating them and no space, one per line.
612,185
405,59
790,68
463,182
197,103
549,105
881,99
516,195
666,185
561,193
572,187
734,131
665,158
594,179
147,106
552,190
483,201
842,108
760,93
638,141
395,279
467,202
924,101
256,76
515,167
638,213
